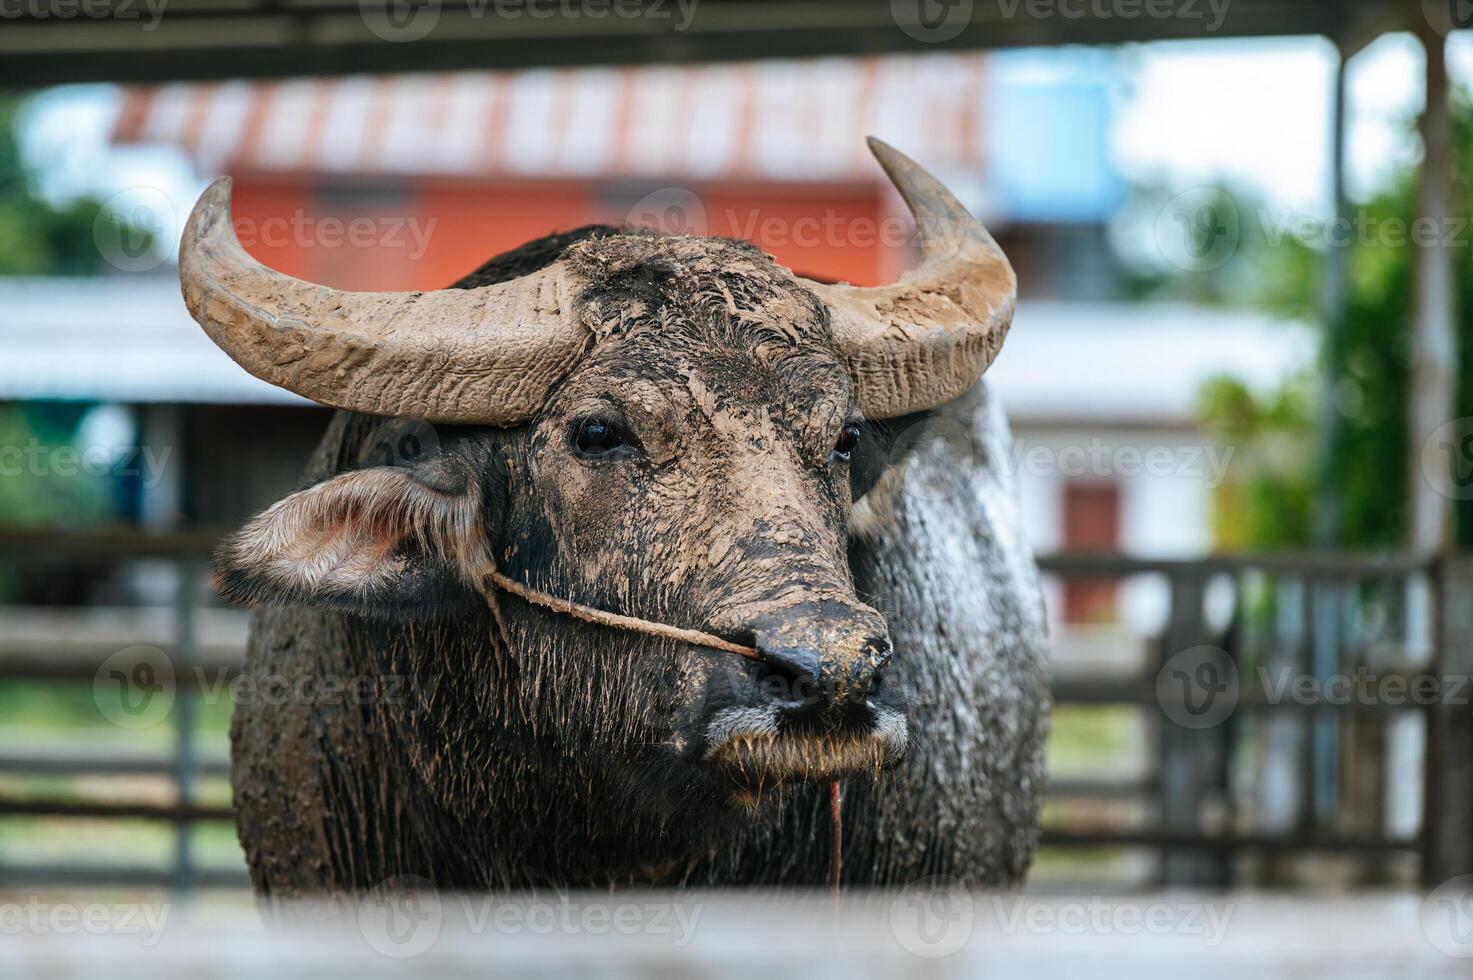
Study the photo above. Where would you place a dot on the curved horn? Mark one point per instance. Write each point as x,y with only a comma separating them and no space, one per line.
487,355
928,338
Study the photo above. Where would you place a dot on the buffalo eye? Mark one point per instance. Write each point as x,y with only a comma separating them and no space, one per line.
848,442
596,438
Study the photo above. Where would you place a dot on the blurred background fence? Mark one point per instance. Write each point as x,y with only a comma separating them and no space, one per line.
1220,750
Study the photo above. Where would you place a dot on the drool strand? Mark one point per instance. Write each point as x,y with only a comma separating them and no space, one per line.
836,823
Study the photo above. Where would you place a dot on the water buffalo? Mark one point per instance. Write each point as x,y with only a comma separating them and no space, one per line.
667,427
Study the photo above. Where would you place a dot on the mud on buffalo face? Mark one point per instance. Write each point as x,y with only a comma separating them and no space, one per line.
697,467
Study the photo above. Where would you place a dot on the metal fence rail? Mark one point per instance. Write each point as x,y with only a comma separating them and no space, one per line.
1302,613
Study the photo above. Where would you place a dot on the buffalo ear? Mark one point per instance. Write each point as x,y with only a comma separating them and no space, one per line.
385,542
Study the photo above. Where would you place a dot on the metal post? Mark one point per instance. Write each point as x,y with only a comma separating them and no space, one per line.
1434,308
186,649
1449,776
1448,832
1334,301
1192,760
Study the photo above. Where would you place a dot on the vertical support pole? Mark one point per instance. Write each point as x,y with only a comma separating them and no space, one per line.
1448,823
1322,746
1283,788
1193,760
186,649
1448,826
1334,301
1434,307
1326,645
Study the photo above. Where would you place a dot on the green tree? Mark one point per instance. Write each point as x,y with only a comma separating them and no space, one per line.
1270,502
38,238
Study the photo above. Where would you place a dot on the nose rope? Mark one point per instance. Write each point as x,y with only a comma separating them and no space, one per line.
491,576
615,621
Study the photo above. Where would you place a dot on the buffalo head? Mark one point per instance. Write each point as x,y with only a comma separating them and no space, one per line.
669,427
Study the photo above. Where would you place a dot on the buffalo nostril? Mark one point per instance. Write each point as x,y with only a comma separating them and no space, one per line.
791,673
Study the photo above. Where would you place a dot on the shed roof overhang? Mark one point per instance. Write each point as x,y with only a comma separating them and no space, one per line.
45,42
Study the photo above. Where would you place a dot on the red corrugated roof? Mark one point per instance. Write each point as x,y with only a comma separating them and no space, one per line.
783,120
